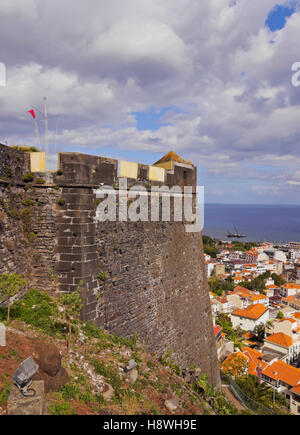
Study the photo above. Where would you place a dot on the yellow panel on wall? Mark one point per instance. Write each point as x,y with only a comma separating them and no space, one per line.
166,165
156,174
128,169
37,162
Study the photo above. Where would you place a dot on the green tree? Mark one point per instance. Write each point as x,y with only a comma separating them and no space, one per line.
10,285
261,393
215,397
235,365
260,331
280,315
72,304
208,241
278,280
210,250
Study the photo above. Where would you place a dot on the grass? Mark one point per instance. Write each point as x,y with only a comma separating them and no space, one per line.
109,372
61,409
36,309
105,353
4,392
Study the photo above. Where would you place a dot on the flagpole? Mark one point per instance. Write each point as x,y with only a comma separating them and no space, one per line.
56,132
32,113
46,126
37,132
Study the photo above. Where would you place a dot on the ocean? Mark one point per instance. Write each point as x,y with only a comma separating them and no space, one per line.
272,223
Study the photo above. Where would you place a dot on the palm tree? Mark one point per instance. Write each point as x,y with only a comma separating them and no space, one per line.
261,393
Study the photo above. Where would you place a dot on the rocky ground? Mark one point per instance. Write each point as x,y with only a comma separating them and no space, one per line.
91,377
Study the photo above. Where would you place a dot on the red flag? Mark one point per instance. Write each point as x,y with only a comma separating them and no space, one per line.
32,113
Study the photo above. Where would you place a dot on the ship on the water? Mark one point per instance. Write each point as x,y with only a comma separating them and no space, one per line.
236,234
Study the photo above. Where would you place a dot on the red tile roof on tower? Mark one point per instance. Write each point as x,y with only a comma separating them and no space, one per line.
171,156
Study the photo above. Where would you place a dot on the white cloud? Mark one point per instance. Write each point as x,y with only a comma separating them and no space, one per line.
98,61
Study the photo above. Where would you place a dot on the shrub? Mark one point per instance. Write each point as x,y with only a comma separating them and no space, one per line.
102,276
28,177
40,181
72,304
110,373
61,201
26,149
70,391
4,393
92,331
61,409
36,309
10,285
59,172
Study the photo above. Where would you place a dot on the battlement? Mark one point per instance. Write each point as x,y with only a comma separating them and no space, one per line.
86,169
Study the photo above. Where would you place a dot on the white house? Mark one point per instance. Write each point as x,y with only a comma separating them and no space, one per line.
289,289
248,318
280,342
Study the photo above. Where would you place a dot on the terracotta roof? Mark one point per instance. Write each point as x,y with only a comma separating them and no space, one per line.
270,286
217,329
281,339
291,285
288,319
253,360
240,289
257,297
221,300
171,156
252,312
296,390
296,315
248,335
286,373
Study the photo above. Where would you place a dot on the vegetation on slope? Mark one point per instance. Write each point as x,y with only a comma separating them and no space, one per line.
97,358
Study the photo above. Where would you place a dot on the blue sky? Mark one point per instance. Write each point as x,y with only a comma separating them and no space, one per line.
277,17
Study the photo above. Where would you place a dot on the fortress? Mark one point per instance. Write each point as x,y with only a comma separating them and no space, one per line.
136,277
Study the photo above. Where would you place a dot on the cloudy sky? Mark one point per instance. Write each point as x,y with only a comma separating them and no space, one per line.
133,79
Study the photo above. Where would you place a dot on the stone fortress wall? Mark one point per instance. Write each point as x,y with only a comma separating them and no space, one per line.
136,277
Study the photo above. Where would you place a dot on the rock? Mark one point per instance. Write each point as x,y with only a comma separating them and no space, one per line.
81,337
132,376
48,357
172,404
19,405
53,383
130,365
108,392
